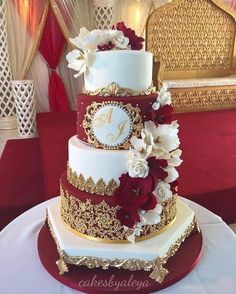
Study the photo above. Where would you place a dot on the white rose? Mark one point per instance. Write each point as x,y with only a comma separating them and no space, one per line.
152,217
137,166
172,174
162,191
121,42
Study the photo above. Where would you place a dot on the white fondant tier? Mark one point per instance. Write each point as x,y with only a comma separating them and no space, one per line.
128,68
96,163
144,250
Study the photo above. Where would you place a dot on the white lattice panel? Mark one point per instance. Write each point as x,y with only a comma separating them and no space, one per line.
103,13
24,94
7,106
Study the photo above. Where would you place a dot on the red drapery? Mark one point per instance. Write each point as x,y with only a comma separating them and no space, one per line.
51,47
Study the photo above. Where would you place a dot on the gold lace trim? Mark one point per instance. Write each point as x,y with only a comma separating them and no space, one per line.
157,265
100,220
99,188
114,89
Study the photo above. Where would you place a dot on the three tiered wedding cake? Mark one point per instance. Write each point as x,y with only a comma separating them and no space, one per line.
119,205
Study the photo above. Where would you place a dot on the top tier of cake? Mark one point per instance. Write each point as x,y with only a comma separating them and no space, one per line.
112,62
130,69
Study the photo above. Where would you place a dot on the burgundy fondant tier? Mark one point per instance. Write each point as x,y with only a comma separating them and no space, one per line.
95,216
138,109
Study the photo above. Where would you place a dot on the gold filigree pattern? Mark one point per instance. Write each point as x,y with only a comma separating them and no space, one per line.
134,117
156,266
99,221
99,188
114,89
192,37
203,99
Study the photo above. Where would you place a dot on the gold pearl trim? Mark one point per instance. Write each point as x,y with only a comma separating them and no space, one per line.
114,89
156,266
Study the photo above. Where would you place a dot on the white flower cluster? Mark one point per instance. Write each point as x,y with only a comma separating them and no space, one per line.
87,42
163,98
161,142
150,217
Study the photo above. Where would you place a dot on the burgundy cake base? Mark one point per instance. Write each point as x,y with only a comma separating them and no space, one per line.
119,280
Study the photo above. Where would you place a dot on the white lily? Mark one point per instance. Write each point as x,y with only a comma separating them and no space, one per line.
78,61
164,137
172,174
88,41
163,98
175,158
143,145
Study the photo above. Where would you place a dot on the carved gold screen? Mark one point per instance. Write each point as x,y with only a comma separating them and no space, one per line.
192,39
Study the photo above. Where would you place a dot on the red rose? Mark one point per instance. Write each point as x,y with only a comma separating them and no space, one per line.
151,204
120,26
106,47
128,217
156,168
163,115
135,193
134,41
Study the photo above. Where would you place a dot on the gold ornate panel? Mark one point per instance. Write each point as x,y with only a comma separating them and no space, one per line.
193,38
203,99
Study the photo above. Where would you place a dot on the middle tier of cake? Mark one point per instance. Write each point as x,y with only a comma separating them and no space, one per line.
90,194
95,170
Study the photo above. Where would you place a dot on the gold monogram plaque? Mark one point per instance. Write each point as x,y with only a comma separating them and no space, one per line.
110,124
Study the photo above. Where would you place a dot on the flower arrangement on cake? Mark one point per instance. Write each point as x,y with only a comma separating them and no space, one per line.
87,42
151,163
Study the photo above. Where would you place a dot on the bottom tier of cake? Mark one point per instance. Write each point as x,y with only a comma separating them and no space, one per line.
148,255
